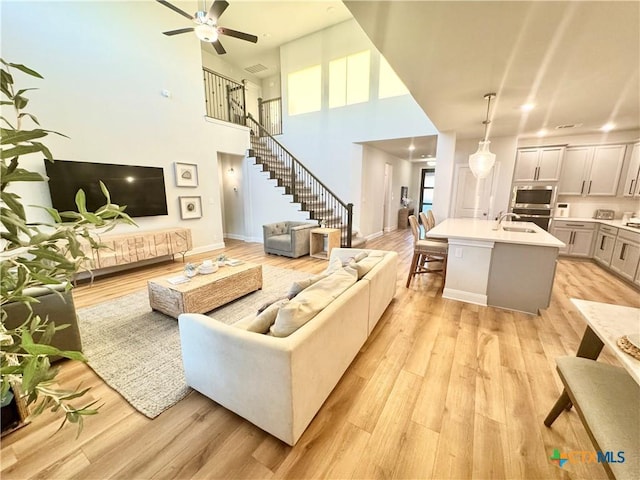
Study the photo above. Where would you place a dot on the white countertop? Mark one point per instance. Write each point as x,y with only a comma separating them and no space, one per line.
612,223
611,322
482,230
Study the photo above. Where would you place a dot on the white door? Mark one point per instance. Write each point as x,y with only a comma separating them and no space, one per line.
473,196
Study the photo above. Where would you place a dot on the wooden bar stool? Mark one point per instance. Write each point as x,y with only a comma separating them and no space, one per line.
425,252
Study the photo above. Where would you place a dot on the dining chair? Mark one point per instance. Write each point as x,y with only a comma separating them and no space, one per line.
428,222
426,252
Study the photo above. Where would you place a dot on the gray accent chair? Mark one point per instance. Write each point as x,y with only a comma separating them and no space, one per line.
58,306
290,239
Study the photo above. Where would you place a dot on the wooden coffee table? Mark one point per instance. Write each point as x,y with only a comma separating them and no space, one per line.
203,293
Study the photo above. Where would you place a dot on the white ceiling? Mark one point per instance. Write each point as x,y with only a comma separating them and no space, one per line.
578,62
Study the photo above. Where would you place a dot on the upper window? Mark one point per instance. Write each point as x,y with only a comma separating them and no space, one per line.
305,90
390,84
349,79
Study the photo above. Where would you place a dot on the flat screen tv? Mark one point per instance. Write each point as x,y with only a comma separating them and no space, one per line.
141,189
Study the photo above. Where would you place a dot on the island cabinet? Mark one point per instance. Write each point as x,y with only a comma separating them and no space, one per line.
512,269
577,236
538,164
591,170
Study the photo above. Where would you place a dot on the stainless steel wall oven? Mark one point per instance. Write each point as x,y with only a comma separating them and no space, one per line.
534,203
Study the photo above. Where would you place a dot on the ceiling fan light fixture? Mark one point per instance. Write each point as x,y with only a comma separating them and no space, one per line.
206,33
483,160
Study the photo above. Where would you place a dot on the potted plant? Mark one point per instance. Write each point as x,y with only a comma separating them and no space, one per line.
41,254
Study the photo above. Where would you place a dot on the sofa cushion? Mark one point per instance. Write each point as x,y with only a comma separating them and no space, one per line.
300,285
266,304
260,323
365,265
279,242
308,303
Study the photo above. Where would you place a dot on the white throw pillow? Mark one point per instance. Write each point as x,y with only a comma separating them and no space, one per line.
262,322
365,265
300,285
308,303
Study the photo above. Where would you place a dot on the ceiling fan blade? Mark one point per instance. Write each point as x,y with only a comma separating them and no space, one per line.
219,48
179,31
217,8
175,9
241,35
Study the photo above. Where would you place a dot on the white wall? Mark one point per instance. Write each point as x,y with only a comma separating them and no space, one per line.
371,220
505,150
324,140
105,65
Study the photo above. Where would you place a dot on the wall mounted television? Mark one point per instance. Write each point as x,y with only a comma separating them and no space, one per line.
141,189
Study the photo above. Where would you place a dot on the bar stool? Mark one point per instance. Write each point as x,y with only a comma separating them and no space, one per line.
425,252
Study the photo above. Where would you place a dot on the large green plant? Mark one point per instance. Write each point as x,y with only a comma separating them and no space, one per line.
41,254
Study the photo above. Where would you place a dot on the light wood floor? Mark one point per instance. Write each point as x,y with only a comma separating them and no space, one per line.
441,389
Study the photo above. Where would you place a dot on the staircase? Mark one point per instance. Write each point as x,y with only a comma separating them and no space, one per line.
312,195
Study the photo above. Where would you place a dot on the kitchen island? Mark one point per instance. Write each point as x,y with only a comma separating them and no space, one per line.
512,267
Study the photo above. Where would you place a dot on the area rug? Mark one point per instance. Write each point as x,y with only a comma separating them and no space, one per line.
136,350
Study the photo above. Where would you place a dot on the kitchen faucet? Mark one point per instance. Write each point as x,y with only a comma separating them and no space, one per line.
502,217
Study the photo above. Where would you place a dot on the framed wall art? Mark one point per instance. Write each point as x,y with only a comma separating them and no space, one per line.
190,207
186,174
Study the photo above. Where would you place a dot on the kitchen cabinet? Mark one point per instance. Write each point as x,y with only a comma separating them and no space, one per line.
626,254
591,170
538,164
605,241
578,237
630,188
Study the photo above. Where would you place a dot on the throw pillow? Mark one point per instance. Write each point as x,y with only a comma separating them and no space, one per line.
300,285
365,265
308,303
360,256
262,322
266,304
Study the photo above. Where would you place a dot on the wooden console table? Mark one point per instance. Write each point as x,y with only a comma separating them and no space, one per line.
317,247
126,248
403,217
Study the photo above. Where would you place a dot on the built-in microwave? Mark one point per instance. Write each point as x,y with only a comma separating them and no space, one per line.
533,196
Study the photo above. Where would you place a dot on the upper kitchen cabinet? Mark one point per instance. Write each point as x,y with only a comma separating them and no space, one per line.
631,188
538,164
593,171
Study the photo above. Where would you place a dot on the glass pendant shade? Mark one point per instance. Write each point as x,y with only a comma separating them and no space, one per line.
206,33
482,161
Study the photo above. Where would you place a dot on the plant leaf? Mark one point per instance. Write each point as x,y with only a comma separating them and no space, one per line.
25,69
17,136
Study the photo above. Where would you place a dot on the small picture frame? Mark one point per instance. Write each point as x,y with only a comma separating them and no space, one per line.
186,174
190,207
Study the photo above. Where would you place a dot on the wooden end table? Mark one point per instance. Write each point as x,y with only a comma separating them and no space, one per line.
203,293
317,247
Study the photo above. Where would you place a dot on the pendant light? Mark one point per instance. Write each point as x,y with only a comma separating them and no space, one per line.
482,161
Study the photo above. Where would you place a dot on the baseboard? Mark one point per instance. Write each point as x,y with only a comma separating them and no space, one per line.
205,248
234,236
468,297
371,236
390,229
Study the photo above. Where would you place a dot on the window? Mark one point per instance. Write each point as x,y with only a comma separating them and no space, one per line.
304,90
349,79
426,189
390,84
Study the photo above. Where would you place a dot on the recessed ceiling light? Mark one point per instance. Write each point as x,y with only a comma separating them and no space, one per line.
542,132
527,107
412,148
422,156
266,35
429,156
431,163
607,127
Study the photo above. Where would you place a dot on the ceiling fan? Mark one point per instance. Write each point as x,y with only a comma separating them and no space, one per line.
207,28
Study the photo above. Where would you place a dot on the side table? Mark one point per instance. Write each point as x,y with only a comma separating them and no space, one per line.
322,240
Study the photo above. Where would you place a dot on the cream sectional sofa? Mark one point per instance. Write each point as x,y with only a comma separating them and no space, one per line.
279,384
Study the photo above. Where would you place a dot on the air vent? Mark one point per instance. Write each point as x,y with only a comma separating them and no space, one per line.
568,125
258,67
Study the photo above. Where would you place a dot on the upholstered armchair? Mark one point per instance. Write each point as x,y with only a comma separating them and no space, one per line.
290,239
58,306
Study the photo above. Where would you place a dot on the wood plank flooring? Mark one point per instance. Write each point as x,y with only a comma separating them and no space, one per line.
441,389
